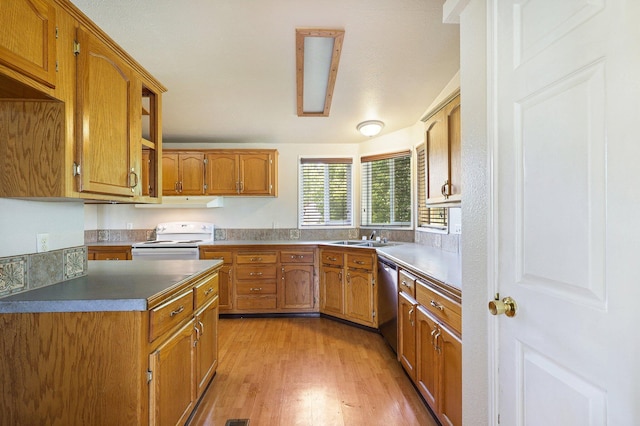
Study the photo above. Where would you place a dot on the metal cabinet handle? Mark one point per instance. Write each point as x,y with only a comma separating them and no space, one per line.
404,283
253,274
445,189
437,347
195,327
112,258
208,291
177,311
135,180
256,259
333,259
433,332
436,305
256,289
201,327
411,317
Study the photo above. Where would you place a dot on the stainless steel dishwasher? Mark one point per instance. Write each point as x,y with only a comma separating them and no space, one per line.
388,302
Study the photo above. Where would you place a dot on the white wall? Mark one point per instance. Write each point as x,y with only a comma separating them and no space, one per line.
21,221
475,178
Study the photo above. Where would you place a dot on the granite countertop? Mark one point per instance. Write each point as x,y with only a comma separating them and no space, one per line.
440,265
108,286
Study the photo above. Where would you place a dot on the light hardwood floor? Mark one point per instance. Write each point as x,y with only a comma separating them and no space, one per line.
307,371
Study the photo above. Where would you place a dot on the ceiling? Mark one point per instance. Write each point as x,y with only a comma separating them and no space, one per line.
229,65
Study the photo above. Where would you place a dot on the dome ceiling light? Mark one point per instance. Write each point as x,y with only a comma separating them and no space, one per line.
370,128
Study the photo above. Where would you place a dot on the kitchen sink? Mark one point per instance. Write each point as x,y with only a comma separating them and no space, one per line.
363,243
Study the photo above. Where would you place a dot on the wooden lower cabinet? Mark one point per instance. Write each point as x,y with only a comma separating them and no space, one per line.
331,290
407,333
172,393
430,348
111,368
347,285
296,287
109,252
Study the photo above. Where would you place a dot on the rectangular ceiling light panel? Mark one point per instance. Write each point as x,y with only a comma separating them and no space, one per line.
317,58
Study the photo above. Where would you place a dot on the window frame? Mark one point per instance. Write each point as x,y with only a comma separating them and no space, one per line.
365,187
351,187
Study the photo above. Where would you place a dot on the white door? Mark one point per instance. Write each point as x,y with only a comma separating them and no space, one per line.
567,210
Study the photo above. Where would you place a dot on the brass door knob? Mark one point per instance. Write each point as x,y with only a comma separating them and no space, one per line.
505,306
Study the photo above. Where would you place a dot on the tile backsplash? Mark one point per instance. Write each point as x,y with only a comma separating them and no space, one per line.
31,271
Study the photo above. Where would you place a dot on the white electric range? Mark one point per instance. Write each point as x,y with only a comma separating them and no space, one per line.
175,240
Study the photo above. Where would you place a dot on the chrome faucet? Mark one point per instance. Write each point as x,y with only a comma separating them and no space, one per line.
373,234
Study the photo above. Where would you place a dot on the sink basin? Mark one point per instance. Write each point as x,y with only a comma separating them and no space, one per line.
363,243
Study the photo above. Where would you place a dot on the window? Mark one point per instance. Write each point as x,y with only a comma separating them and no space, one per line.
325,192
434,217
386,190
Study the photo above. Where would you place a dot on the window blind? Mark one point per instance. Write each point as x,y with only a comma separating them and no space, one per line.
325,192
386,189
435,217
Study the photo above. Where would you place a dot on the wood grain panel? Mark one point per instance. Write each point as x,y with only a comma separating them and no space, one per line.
58,358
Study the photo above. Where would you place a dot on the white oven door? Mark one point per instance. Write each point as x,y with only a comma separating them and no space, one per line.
165,253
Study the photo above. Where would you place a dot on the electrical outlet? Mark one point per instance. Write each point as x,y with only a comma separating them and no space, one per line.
129,225
42,241
457,228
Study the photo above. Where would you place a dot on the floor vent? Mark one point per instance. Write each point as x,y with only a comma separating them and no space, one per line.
237,422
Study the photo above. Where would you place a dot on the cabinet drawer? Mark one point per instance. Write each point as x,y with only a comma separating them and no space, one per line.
407,283
205,291
226,256
251,303
333,258
268,287
114,255
256,272
360,261
259,257
168,315
439,305
296,256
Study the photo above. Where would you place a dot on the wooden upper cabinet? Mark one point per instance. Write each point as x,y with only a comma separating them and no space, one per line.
182,173
242,172
222,173
28,39
108,98
443,154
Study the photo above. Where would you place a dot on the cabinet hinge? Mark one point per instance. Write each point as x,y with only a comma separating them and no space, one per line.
206,161
149,376
374,314
76,47
373,281
56,32
205,187
76,169
56,66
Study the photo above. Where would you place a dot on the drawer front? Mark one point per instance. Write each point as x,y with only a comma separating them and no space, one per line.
168,315
226,256
407,283
112,255
360,261
267,287
205,291
256,272
257,258
251,303
333,258
442,307
296,256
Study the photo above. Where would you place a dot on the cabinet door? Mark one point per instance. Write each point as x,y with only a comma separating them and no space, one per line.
437,157
33,53
107,100
170,173
255,174
359,301
112,255
191,174
172,388
331,291
225,282
223,174
407,333
450,404
296,287
426,377
452,112
206,326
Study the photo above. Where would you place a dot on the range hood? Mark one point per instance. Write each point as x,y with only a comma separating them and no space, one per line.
185,202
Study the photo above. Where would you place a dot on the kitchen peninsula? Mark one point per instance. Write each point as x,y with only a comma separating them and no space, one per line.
130,343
